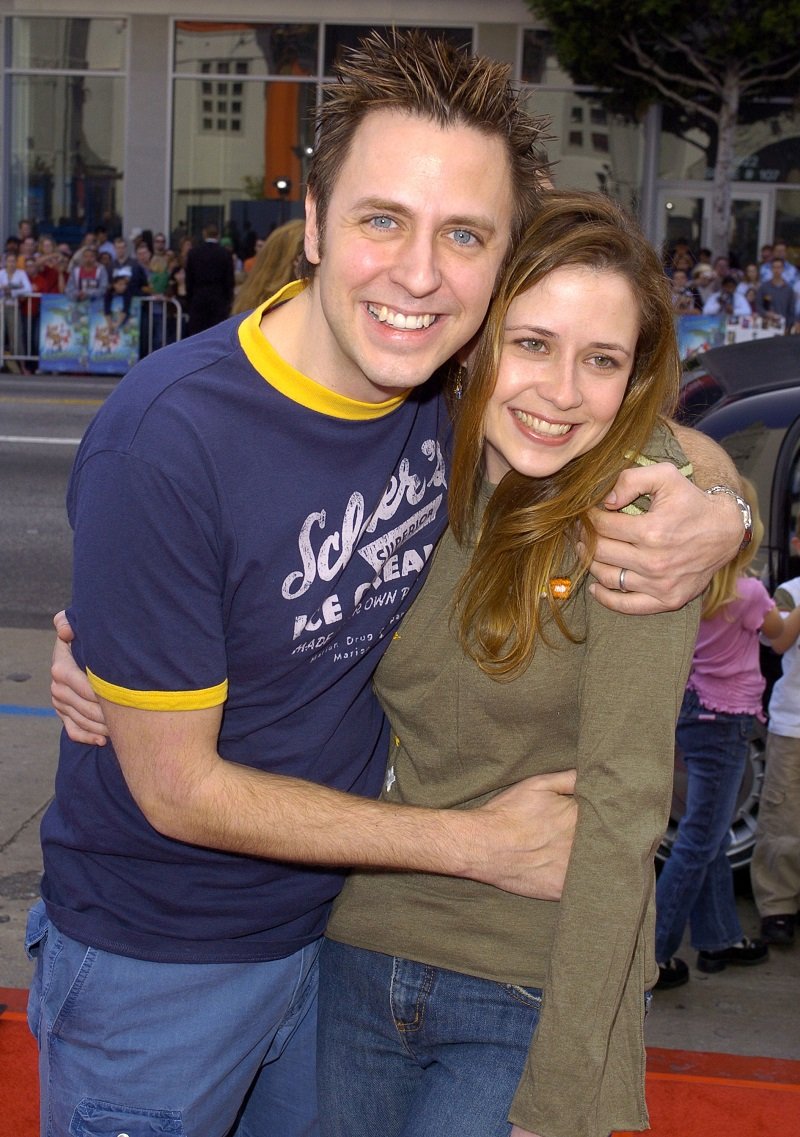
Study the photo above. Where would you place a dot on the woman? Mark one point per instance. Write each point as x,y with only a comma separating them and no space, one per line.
50,275
277,263
431,988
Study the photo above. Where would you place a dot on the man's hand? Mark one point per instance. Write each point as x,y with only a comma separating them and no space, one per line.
526,836
669,553
74,700
517,1132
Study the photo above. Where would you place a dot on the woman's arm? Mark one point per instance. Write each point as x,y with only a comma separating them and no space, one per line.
588,1050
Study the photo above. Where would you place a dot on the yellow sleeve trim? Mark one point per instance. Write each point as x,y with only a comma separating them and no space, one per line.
159,700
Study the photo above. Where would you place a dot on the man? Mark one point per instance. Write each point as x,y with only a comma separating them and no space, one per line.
685,298
775,298
128,279
103,242
704,280
253,512
210,282
779,251
87,278
727,301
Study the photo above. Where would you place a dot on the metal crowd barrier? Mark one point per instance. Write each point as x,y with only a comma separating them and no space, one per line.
161,322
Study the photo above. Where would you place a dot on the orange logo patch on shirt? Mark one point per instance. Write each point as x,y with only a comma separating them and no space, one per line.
560,587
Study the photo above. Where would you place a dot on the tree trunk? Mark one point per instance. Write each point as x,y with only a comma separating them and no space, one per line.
725,167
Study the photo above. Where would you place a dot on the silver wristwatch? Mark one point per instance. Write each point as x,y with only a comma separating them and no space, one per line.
744,509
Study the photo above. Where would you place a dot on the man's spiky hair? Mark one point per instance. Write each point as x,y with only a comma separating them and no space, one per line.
416,74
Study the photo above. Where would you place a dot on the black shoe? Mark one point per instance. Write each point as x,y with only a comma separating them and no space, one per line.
743,954
778,929
673,973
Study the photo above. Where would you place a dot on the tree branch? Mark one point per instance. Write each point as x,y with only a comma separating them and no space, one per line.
652,68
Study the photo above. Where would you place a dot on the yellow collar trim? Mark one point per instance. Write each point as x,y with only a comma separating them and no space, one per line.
292,383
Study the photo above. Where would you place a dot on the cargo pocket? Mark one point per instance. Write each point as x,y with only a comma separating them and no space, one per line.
105,1119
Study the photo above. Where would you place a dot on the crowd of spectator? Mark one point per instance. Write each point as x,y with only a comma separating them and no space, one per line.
213,276
708,285
204,275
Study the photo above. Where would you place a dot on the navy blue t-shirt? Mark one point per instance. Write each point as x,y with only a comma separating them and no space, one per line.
242,536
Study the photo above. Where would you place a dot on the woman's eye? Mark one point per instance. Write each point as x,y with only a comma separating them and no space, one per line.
603,361
534,345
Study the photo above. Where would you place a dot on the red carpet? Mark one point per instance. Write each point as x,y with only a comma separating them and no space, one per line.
19,1090
689,1094
721,1095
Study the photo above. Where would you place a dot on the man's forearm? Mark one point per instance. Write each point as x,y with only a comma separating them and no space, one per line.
519,841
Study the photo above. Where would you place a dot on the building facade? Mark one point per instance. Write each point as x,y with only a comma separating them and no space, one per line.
143,114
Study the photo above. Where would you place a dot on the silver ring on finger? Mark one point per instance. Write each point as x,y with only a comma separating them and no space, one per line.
621,585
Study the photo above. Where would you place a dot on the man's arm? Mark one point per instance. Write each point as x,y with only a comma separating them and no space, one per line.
519,841
225,805
671,552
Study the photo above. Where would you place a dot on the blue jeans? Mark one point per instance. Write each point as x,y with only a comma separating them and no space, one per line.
696,883
409,1050
129,1046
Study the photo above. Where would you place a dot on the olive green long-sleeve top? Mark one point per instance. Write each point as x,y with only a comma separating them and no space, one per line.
607,706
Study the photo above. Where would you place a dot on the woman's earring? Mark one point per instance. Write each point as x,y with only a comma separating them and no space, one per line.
460,377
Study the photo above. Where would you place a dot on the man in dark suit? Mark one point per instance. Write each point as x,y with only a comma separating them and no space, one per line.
209,282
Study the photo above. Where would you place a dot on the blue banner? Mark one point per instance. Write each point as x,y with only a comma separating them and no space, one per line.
63,334
78,336
113,339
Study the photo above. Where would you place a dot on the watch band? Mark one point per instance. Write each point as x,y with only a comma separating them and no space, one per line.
744,509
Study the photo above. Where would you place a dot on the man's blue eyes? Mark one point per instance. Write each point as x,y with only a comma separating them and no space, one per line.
462,237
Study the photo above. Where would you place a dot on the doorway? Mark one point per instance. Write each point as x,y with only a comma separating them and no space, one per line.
684,210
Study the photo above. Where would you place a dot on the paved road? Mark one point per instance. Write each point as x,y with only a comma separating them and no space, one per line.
41,423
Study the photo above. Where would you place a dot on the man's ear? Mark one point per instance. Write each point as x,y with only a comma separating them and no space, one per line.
311,241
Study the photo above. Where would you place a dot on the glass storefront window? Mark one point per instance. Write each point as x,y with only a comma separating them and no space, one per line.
787,221
245,49
66,151
539,61
56,44
592,149
245,171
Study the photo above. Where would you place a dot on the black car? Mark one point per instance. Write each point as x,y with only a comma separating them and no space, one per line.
747,397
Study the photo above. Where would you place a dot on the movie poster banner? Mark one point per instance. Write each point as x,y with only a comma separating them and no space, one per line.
79,337
113,339
697,334
63,334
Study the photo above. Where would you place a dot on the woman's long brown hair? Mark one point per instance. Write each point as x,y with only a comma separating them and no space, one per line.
529,530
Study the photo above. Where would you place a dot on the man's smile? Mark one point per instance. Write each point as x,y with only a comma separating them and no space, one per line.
400,320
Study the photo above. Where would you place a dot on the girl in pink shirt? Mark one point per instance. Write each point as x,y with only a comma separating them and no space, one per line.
722,701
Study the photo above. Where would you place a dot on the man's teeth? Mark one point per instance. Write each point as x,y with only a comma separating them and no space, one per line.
398,320
541,426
